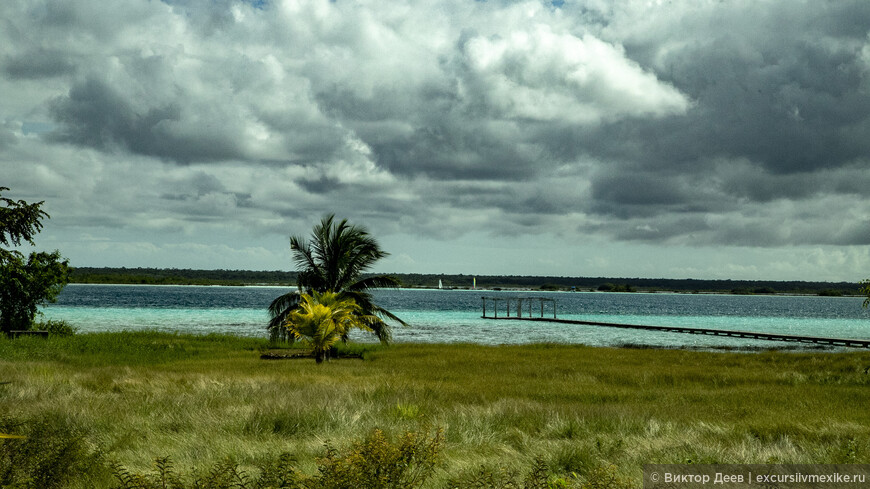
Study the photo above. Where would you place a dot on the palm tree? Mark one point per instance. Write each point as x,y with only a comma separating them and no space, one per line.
333,260
324,318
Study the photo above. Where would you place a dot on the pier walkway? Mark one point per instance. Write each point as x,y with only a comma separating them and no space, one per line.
524,305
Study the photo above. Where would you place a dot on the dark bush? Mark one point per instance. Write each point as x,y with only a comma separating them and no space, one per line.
56,328
608,287
831,293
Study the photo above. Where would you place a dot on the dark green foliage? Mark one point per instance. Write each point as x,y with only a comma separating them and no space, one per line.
227,475
608,287
764,290
164,478
53,454
333,260
501,478
56,327
753,291
25,283
277,474
19,221
865,291
831,293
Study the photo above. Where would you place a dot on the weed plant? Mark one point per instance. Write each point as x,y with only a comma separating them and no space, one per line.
201,400
52,453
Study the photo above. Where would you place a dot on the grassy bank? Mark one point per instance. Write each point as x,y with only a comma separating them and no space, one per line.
199,400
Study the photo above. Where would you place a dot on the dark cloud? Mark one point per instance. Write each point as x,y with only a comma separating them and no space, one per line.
791,99
37,64
462,150
7,135
95,115
191,186
777,111
676,228
321,185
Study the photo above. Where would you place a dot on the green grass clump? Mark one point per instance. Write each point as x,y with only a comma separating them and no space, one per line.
203,400
375,463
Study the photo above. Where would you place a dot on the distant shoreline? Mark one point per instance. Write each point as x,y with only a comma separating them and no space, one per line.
175,276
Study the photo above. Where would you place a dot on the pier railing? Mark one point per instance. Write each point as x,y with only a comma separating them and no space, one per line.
518,306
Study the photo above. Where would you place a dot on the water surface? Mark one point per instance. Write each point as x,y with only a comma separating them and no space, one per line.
454,315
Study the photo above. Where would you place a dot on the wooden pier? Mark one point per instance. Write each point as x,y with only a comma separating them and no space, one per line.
521,303
520,310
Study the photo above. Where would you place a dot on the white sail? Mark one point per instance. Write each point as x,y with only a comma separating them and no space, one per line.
439,284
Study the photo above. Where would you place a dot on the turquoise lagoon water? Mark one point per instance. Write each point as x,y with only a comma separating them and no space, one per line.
454,315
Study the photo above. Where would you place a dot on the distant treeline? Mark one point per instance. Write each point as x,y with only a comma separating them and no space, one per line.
180,276
176,276
633,284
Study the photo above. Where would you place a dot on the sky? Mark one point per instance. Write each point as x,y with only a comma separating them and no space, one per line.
725,139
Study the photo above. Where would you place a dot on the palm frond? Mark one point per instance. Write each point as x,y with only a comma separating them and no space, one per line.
379,327
376,282
282,304
362,252
303,256
368,307
381,312
323,319
279,310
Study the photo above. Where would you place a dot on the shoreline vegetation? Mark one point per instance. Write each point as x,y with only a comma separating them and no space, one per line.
100,407
174,276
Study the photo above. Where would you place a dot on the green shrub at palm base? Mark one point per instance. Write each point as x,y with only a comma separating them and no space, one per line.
56,327
323,319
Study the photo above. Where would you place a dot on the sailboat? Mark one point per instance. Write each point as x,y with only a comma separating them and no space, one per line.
440,285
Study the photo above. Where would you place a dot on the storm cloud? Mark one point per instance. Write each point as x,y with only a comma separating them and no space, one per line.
644,125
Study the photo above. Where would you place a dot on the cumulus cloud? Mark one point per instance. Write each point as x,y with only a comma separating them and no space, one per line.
541,75
668,124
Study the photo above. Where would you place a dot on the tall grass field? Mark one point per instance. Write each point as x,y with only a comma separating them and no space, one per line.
117,402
